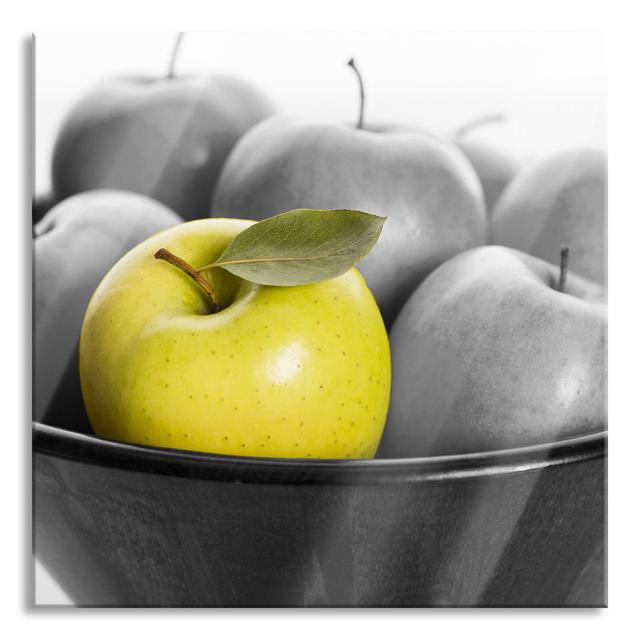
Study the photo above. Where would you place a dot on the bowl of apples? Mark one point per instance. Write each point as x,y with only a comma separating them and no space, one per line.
248,448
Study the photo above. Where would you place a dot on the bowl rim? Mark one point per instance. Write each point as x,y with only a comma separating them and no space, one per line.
89,449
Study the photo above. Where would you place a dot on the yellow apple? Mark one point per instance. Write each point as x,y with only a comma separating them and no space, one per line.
280,371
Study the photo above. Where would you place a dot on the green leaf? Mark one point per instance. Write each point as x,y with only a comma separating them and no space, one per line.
301,246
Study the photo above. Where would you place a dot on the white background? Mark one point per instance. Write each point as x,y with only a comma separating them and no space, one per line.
623,51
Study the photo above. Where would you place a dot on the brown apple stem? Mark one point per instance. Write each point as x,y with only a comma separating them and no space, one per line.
564,268
174,55
490,118
352,64
205,285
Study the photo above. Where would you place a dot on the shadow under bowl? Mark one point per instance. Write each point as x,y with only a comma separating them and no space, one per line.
128,525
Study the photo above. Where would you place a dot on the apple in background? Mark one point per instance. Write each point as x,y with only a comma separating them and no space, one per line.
301,371
559,199
494,167
164,137
76,243
425,187
488,355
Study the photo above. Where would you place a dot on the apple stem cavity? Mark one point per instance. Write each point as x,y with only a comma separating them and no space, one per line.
490,118
352,64
185,267
174,55
564,268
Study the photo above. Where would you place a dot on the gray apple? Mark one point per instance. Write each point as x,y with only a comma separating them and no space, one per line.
162,137
560,199
425,186
76,243
494,167
487,354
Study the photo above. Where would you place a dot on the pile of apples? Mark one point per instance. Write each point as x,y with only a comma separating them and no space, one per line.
483,339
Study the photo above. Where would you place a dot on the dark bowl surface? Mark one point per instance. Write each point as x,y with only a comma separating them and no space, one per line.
128,525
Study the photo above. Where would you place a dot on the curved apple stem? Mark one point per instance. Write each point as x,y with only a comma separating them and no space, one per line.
564,268
185,267
174,55
352,64
490,118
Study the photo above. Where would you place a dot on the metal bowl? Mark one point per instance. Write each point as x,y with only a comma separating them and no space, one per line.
126,525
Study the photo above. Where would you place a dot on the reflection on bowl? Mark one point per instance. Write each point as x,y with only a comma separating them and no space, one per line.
126,525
